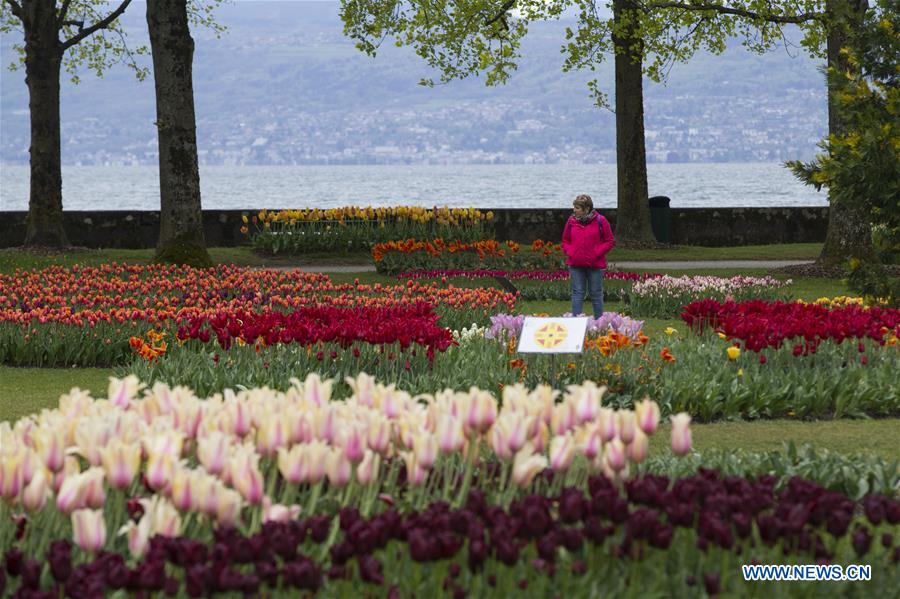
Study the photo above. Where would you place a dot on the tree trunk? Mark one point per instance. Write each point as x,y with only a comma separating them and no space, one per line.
849,232
633,212
181,218
43,57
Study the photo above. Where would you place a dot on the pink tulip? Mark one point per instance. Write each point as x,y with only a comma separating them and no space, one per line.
121,461
301,430
354,444
379,434
11,475
647,415
271,435
562,452
160,467
627,426
242,417
180,491
367,471
51,448
292,464
482,411
212,451
415,474
246,477
277,512
614,455
681,434
228,507
338,468
425,446
527,465
34,497
500,442
94,490
588,404
122,391
451,437
608,427
89,529
639,447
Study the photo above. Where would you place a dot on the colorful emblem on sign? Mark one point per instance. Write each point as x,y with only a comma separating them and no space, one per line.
550,335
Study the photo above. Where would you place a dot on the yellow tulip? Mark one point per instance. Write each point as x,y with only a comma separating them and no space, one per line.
733,352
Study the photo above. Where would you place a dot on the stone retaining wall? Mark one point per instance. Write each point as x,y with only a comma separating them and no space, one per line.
690,226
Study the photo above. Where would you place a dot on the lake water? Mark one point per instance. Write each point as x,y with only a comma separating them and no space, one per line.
480,186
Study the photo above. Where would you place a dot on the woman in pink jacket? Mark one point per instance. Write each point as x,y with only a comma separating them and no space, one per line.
586,240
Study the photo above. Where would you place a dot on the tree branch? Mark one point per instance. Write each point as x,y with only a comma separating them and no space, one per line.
63,11
16,9
739,12
501,13
102,24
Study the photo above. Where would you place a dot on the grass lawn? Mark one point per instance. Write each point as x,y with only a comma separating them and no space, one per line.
25,391
878,437
13,258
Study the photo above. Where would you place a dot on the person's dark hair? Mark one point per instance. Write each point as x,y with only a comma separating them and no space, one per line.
584,202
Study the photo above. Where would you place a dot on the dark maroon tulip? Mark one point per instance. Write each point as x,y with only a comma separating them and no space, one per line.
804,541
546,547
195,580
172,586
861,540
477,554
895,556
14,562
797,518
887,540
507,552
393,592
116,573
348,515
242,551
60,559
579,568
370,570
892,511
459,592
743,525
267,572
681,514
135,509
571,538
537,520
492,580
336,572
594,531
702,544
152,575
769,528
303,574
363,536
661,537
523,584
874,506
31,574
422,546
341,553
454,570
21,523
319,528
713,584
571,506
838,522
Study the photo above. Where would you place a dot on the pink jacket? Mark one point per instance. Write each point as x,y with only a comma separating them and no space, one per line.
586,245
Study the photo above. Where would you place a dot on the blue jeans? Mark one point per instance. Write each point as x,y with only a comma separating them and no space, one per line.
582,278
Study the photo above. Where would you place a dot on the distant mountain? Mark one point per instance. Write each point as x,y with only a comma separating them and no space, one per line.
284,86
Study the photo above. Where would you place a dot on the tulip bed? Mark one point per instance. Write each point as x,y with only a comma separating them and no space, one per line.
267,492
86,316
705,375
535,284
395,257
664,297
356,228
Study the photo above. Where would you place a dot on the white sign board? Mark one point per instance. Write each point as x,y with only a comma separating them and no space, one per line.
553,335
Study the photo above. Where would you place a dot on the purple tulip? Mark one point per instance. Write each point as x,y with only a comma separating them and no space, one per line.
712,584
874,506
370,570
267,572
862,540
319,528
303,574
14,562
507,552
571,506
887,540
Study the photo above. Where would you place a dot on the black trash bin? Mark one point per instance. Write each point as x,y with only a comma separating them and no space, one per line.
661,218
